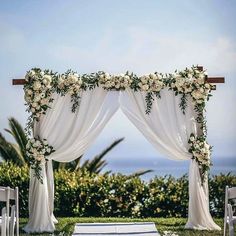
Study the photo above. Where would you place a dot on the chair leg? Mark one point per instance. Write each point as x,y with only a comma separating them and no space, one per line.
225,225
231,230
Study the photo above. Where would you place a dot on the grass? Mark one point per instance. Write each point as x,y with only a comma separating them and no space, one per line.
174,225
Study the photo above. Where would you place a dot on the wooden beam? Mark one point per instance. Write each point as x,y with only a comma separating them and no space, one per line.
212,80
18,81
216,80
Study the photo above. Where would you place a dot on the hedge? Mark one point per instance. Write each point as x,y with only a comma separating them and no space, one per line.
116,195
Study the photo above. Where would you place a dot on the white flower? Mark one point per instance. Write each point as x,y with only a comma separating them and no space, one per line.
29,92
153,76
36,85
31,73
145,87
34,104
37,98
192,138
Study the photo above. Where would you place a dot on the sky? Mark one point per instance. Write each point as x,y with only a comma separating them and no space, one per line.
116,36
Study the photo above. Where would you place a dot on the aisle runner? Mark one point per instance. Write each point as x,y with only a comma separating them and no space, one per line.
142,228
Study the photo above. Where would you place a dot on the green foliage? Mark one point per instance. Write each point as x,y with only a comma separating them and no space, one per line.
217,186
83,194
15,176
14,152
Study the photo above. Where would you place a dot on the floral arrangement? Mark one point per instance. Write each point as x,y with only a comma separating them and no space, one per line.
201,152
37,150
188,83
41,84
38,90
116,82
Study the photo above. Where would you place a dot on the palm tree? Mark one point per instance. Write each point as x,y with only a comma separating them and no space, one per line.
11,151
16,152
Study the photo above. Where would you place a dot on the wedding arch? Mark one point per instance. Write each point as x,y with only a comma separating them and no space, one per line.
68,111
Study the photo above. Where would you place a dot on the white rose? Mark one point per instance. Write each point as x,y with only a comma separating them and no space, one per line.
192,138
72,78
31,73
34,104
37,98
153,76
117,86
145,87
29,92
45,81
48,78
36,85
106,75
38,143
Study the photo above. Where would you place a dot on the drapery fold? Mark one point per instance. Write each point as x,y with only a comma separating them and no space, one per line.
168,130
71,134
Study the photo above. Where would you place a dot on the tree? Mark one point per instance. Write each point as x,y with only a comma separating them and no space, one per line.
16,152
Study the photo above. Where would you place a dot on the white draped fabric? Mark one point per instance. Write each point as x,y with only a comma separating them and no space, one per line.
168,129
71,134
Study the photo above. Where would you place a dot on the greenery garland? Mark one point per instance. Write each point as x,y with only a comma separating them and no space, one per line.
190,83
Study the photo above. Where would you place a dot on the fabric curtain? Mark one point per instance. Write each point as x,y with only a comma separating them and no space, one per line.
168,130
71,134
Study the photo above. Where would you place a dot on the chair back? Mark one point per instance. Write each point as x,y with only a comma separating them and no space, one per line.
4,222
11,194
231,193
4,194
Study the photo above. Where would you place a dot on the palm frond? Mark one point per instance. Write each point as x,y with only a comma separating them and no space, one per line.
9,151
18,133
139,173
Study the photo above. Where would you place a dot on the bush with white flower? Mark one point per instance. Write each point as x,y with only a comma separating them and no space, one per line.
201,152
37,151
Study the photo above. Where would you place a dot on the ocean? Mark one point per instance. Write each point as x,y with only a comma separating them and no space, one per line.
162,167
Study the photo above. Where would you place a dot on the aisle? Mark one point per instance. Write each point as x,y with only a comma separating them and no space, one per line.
134,229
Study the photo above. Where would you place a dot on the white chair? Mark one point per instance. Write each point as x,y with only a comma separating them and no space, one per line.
5,197
13,220
232,220
230,194
3,222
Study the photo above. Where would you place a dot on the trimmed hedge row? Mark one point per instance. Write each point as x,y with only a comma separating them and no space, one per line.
82,194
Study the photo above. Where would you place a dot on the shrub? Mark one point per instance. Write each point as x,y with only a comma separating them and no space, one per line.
83,194
16,176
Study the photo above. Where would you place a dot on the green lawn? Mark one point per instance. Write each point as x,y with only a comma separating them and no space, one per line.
175,225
